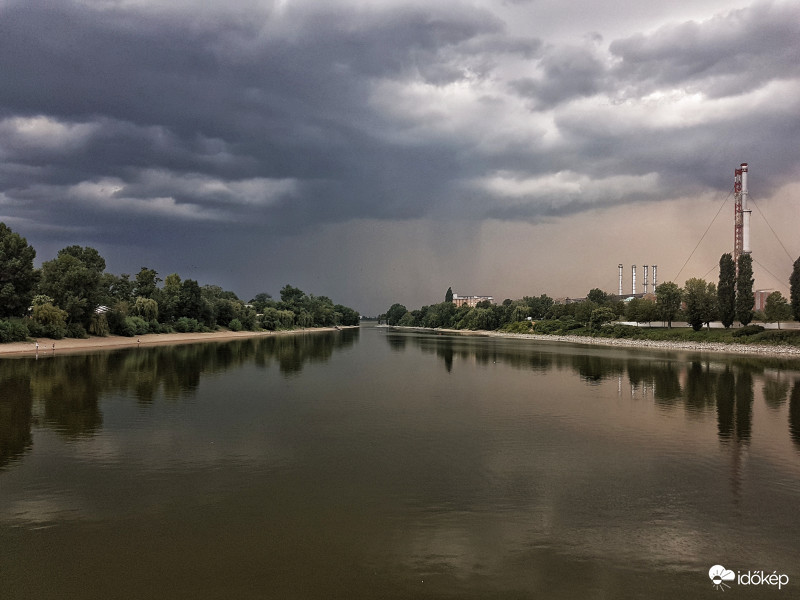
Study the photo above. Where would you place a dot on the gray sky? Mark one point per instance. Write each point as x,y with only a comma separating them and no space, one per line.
379,152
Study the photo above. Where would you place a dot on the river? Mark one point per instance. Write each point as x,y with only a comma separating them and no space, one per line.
376,464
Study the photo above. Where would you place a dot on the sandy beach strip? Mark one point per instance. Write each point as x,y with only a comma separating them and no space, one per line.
760,349
71,345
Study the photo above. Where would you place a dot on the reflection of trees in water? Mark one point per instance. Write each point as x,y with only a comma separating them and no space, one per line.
775,392
726,392
70,387
16,400
700,385
397,342
794,414
594,368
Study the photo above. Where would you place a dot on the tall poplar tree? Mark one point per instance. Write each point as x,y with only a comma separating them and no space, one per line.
448,297
745,300
726,290
794,290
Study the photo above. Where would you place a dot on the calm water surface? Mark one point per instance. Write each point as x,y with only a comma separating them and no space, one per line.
371,464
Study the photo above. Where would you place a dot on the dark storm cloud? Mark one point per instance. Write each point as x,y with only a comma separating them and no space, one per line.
234,99
166,125
567,73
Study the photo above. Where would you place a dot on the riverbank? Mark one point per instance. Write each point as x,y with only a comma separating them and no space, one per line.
760,349
71,345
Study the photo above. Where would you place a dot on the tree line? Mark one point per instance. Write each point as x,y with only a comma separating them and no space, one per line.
72,295
698,302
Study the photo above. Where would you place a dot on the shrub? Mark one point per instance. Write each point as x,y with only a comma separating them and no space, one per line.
13,331
48,321
99,325
235,325
518,327
76,330
747,330
187,325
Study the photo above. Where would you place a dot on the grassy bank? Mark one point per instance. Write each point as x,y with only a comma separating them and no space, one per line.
752,334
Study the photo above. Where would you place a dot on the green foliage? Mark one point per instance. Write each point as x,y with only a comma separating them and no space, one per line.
726,290
49,321
12,331
273,319
600,316
147,308
777,308
745,300
73,279
18,278
448,296
146,283
76,330
538,307
407,320
597,296
99,325
771,336
668,301
518,327
701,302
794,290
747,330
395,313
621,331
187,325
235,325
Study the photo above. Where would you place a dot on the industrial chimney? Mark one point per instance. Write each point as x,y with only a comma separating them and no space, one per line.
620,279
645,278
745,213
633,279
655,283
741,216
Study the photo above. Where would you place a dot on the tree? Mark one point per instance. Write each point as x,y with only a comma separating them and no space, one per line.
745,300
538,306
794,290
700,298
292,297
601,316
597,296
777,308
146,283
17,275
668,300
395,313
73,279
147,308
448,297
726,291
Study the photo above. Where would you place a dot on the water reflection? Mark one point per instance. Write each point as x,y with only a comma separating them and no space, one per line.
15,417
67,389
697,384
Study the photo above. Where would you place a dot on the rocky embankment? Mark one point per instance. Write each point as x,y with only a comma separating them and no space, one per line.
760,349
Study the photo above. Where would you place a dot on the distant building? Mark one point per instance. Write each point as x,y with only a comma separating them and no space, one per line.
471,301
761,299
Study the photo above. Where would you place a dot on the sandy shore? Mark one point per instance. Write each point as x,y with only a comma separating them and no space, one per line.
762,350
152,339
